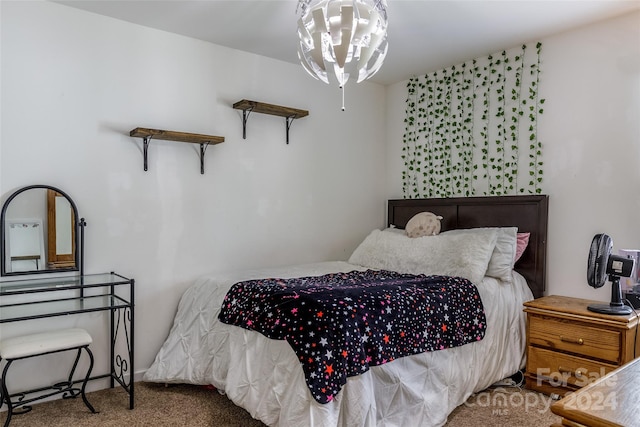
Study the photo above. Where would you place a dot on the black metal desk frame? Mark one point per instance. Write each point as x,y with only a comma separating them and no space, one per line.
61,296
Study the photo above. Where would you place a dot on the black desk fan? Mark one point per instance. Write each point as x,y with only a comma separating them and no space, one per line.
602,263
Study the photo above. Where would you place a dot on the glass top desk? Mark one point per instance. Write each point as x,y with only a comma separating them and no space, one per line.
28,299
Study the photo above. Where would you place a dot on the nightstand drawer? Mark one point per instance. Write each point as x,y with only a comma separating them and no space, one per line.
575,338
561,369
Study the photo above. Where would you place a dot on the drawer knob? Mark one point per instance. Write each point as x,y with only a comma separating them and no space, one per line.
577,373
578,341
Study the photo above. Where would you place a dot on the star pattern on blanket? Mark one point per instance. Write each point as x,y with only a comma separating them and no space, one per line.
340,324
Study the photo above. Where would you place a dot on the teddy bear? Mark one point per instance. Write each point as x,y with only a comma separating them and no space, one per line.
423,224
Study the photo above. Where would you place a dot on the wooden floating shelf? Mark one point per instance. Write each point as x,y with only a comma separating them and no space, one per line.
169,135
274,110
288,113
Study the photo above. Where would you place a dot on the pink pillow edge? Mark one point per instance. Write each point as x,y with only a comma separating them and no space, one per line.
522,241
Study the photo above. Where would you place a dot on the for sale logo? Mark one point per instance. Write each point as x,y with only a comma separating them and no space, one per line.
579,377
501,400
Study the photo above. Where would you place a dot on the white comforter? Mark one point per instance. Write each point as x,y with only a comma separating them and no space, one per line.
264,376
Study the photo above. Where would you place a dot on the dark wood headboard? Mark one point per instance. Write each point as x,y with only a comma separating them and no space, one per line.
528,213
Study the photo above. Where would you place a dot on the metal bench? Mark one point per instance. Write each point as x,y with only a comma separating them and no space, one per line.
27,346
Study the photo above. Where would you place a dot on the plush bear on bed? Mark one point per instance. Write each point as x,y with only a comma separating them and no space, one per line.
423,224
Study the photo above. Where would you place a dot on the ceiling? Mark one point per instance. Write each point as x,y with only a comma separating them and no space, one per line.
424,35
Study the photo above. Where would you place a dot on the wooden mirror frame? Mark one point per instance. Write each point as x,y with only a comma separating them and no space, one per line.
57,261
63,263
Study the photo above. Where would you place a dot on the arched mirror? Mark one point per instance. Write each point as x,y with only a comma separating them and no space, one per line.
41,232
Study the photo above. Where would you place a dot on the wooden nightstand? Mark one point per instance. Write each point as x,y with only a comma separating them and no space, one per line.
569,346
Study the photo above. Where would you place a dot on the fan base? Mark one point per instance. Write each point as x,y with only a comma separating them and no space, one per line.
610,309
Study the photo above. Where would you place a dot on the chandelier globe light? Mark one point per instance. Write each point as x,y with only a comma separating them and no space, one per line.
342,39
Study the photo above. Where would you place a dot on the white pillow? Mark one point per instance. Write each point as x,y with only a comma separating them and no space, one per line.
504,254
462,255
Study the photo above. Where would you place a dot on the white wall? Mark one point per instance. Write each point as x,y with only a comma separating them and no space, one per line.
74,84
591,135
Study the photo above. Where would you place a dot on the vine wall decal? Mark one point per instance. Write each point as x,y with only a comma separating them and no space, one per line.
471,129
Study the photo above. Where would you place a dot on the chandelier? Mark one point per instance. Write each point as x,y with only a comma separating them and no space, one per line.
340,39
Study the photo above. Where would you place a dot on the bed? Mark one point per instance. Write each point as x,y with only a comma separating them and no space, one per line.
264,375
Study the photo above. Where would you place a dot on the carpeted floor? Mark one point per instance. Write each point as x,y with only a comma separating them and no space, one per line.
185,405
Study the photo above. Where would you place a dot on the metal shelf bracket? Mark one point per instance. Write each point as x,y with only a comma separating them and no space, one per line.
203,149
245,116
145,150
288,121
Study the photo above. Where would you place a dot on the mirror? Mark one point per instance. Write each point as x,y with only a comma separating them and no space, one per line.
39,225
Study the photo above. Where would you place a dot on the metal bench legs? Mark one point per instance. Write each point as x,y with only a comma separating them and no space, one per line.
66,388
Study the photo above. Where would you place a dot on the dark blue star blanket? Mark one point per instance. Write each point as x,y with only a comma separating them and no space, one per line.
340,324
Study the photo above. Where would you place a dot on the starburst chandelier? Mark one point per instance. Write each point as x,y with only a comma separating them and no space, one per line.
340,39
